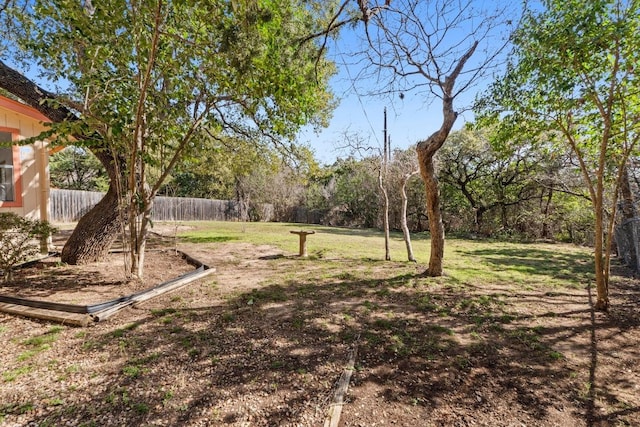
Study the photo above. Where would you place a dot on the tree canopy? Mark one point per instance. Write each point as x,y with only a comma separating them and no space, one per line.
151,80
572,74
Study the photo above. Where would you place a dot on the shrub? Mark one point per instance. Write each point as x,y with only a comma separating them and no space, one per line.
18,240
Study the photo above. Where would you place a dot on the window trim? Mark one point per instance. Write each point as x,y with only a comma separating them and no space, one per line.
17,175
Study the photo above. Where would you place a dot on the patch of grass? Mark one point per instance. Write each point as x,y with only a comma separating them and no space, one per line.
228,317
400,344
372,338
274,293
384,324
72,369
371,306
462,362
132,371
26,355
120,332
141,408
166,397
528,336
277,364
55,401
47,338
195,237
298,322
162,311
14,408
11,375
90,345
346,276
556,355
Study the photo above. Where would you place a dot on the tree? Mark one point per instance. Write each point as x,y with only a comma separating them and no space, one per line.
427,47
573,74
490,177
154,79
403,166
75,168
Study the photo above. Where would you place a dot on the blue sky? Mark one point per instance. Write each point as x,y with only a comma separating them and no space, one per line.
410,119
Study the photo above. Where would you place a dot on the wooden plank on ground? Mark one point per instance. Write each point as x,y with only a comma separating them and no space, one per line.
151,293
52,315
335,410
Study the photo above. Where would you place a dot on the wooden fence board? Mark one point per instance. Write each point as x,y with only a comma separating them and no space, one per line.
70,205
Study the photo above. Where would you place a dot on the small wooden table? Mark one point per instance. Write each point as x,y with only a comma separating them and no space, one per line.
303,240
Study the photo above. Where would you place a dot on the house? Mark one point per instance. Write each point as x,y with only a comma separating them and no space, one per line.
24,169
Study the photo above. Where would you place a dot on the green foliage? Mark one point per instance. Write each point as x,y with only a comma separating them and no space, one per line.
77,169
520,187
573,76
18,240
155,81
349,190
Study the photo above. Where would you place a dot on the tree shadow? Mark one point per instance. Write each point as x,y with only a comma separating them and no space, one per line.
557,264
270,356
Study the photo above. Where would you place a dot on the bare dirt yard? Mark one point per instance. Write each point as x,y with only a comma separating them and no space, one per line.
265,339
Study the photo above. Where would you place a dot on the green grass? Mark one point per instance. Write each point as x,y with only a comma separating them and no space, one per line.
466,262
13,374
42,340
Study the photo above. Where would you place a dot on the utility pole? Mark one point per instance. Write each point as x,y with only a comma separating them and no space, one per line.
382,177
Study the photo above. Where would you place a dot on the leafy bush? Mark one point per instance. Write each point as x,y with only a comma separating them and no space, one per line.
18,240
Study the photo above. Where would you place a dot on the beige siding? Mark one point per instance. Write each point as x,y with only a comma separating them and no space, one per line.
34,166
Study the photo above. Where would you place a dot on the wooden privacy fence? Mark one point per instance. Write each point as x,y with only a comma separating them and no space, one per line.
70,205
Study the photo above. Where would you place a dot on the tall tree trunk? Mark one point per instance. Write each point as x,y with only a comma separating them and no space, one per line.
97,230
628,205
426,150
602,278
403,216
478,217
436,227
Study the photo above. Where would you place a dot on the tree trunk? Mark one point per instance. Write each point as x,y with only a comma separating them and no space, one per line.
436,227
546,232
628,205
403,216
426,150
97,230
602,285
478,217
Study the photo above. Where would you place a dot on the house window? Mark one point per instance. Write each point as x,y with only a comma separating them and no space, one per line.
7,189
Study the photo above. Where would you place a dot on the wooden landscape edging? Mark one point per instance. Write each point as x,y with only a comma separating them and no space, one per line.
81,315
335,410
63,317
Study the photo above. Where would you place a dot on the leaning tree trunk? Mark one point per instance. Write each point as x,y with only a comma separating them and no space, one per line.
403,216
426,151
97,230
436,227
